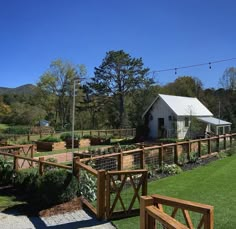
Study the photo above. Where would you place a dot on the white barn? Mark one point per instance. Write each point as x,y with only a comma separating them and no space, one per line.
177,117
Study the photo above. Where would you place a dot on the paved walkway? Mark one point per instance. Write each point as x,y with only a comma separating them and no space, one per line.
72,220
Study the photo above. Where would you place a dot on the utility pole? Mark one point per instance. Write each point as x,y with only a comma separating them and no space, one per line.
76,81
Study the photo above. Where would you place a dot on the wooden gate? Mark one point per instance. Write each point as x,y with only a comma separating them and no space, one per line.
123,191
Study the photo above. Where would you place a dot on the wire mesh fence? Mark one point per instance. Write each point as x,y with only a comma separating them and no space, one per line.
88,186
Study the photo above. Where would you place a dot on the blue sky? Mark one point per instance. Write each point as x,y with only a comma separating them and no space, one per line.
165,33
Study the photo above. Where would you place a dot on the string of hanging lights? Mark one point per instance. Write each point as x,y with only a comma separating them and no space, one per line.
209,64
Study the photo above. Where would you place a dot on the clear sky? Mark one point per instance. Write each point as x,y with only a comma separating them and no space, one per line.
165,33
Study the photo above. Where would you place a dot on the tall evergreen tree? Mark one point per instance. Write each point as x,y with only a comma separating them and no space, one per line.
118,75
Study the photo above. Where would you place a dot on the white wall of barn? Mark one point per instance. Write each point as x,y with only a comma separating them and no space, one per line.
159,110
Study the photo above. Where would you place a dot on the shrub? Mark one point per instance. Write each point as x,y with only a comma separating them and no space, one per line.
27,181
193,157
6,171
17,130
50,139
171,169
182,159
57,186
66,136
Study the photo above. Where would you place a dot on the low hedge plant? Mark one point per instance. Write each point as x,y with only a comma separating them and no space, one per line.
50,139
6,171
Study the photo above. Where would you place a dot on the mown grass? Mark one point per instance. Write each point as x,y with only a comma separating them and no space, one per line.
213,184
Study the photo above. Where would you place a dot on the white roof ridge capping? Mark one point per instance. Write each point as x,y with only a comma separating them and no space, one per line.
182,106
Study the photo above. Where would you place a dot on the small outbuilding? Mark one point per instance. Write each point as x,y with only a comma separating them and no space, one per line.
181,117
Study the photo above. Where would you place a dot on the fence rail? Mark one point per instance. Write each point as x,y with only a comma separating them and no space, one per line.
131,132
19,161
152,207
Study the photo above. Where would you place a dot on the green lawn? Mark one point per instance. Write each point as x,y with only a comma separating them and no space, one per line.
214,184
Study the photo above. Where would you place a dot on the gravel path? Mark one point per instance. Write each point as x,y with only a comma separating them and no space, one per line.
72,220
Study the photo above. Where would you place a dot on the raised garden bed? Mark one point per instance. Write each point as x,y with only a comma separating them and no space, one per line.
84,142
50,146
69,143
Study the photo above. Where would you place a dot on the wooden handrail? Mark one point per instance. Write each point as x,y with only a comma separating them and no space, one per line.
88,168
164,219
183,204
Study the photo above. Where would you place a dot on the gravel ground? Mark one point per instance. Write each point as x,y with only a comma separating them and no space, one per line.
72,220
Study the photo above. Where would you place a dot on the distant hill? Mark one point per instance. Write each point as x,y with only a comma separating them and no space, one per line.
24,89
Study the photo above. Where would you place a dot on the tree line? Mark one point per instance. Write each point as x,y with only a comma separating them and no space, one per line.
115,97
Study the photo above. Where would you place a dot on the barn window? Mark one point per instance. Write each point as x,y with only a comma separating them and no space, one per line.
170,118
186,122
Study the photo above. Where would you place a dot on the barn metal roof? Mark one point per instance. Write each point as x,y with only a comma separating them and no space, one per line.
214,121
183,106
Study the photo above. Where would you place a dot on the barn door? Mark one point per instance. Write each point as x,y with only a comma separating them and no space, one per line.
160,127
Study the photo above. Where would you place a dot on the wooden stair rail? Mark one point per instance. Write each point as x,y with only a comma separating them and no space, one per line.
149,213
165,220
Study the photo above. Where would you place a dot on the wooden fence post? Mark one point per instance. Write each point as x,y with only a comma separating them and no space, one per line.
107,194
145,183
161,155
144,202
231,140
31,154
209,145
199,147
188,149
224,141
28,137
41,166
120,161
209,219
218,143
101,194
76,167
176,153
16,165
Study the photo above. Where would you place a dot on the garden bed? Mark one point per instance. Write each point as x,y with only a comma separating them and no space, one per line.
50,146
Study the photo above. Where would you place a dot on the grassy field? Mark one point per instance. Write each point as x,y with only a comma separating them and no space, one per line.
213,184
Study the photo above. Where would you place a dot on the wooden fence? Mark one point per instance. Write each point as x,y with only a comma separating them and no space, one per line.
154,212
99,133
22,156
152,157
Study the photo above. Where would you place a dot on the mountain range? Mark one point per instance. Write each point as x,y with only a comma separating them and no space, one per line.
24,89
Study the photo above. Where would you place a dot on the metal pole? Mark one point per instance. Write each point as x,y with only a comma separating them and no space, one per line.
73,124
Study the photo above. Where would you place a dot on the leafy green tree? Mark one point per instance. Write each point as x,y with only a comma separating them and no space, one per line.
184,86
56,84
118,75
